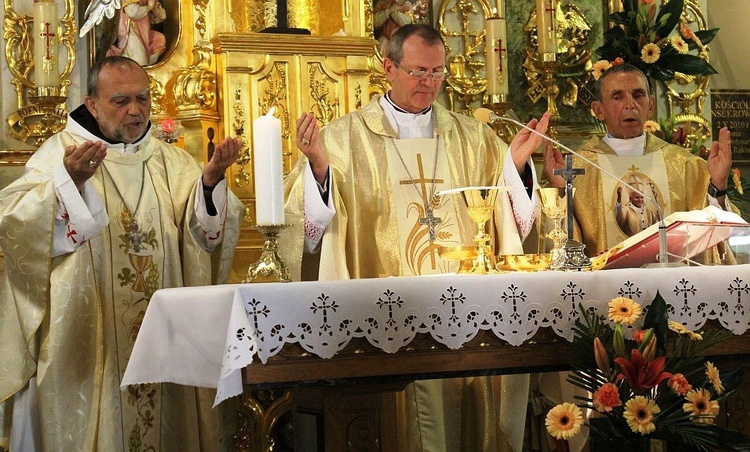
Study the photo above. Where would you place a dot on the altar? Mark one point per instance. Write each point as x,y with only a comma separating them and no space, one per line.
391,330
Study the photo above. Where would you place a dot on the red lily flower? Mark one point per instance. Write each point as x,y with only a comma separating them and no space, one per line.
639,374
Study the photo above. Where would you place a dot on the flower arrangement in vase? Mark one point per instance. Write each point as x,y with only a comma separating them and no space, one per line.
653,384
645,36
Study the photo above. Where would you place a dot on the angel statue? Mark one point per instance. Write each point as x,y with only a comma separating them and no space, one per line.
135,37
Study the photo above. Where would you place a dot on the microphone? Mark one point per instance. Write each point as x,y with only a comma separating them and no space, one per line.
486,115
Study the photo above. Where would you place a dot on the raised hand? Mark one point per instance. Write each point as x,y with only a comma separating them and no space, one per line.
225,154
553,159
81,162
720,159
526,142
307,142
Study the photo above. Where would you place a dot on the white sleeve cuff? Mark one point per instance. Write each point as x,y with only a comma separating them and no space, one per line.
85,210
524,208
318,215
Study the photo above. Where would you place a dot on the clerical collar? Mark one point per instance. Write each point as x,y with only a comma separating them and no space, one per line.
401,110
627,147
85,119
408,125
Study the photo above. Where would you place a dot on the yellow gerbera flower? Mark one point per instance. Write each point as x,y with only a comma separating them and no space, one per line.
624,310
599,68
564,421
639,412
713,375
650,126
679,44
703,410
680,328
650,53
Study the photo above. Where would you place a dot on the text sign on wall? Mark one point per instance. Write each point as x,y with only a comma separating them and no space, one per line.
731,108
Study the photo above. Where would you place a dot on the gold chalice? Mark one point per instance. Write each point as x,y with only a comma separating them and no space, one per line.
480,203
554,206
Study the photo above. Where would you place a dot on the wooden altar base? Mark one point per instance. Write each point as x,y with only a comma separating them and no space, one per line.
351,399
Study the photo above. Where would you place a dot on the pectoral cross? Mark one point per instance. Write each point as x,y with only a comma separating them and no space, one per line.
499,49
428,219
135,236
569,173
431,221
48,37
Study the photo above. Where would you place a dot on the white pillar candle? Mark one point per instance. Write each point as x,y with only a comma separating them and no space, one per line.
497,56
546,26
269,173
45,43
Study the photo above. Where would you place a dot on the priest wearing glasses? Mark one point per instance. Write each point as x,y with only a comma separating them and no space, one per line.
362,204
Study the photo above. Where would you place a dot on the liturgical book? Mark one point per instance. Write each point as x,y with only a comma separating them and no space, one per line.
688,233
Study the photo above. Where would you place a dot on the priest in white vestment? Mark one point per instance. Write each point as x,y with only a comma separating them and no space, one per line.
104,216
363,204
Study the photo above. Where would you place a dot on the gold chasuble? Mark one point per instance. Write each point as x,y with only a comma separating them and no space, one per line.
380,187
70,321
666,173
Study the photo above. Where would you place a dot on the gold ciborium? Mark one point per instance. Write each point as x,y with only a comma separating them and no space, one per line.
480,202
555,208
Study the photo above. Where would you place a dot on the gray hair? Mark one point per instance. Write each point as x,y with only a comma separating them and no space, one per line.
623,68
117,61
396,45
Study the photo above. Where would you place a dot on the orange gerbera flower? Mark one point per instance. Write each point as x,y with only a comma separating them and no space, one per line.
703,410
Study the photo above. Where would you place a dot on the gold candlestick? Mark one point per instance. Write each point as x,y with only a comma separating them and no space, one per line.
550,66
499,105
48,98
269,263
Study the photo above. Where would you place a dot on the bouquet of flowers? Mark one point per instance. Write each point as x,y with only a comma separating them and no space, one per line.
644,38
644,385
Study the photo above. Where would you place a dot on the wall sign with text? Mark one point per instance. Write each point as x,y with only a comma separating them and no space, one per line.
731,108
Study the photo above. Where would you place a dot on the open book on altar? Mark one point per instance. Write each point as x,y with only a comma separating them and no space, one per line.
688,233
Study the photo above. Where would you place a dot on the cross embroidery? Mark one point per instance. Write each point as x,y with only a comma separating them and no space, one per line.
453,297
390,301
428,219
738,287
684,288
500,49
71,234
515,296
324,307
257,310
47,35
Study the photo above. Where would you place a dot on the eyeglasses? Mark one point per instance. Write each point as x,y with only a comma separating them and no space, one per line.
422,75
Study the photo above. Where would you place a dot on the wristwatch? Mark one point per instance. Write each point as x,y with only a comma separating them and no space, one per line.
715,192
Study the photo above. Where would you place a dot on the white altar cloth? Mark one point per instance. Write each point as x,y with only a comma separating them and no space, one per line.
205,336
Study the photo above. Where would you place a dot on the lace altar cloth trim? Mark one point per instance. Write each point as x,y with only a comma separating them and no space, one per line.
324,316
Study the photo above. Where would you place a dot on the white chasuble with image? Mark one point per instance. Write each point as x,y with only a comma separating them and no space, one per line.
415,177
634,212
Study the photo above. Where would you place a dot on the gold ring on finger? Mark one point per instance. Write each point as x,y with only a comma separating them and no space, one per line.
305,141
